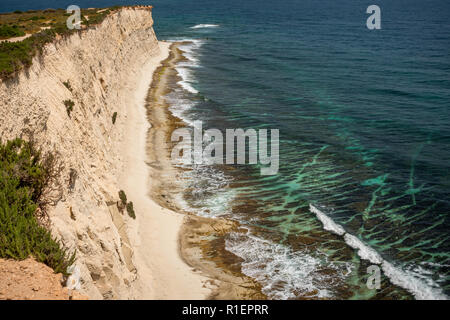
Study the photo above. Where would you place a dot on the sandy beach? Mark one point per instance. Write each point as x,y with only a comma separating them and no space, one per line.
216,265
163,273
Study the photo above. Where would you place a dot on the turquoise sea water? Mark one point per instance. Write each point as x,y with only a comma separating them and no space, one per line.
364,120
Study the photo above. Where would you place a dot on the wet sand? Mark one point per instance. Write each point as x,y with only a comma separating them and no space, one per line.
201,240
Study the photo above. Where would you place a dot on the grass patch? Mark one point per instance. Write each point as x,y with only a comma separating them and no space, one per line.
25,176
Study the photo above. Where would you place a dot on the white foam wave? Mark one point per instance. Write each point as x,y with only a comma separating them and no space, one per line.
364,251
190,48
283,272
207,192
202,26
186,82
184,69
179,106
419,287
417,281
328,223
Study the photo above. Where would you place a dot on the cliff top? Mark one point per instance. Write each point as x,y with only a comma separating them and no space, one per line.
24,34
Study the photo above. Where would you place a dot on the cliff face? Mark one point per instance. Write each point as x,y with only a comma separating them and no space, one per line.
101,66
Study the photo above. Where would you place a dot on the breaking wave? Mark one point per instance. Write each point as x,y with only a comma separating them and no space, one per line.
203,26
284,273
422,287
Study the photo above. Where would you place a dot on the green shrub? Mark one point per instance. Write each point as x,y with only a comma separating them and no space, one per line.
23,179
10,31
13,57
114,117
130,210
69,106
67,85
123,197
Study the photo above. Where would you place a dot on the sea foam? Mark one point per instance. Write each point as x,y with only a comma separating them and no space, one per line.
202,26
422,287
283,273
207,193
328,223
184,69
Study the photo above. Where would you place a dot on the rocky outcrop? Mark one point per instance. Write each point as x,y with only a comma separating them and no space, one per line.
99,66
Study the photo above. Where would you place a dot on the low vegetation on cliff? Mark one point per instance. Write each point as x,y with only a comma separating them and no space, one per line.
130,210
43,27
122,204
67,85
26,179
114,117
69,106
7,31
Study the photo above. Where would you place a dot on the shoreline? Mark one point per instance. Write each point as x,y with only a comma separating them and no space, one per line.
201,240
154,238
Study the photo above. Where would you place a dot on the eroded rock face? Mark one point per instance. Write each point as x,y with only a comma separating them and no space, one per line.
101,65
31,280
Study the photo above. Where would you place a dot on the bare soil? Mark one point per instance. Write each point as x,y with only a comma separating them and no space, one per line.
31,280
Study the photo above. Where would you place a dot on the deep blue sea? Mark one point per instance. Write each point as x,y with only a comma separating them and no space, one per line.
364,120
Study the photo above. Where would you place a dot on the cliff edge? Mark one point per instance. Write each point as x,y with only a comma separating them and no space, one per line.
95,71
